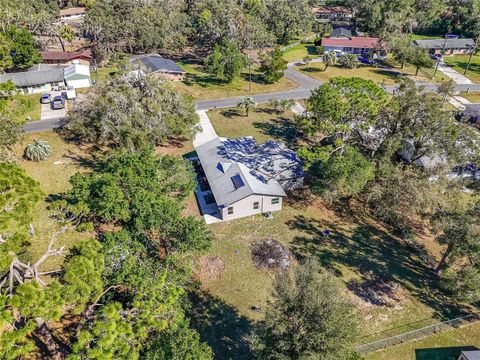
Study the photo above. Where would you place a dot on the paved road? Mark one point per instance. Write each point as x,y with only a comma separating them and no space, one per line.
305,85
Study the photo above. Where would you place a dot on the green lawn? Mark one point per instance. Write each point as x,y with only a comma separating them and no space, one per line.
459,63
53,175
25,107
442,346
376,74
474,97
262,123
201,85
359,251
298,52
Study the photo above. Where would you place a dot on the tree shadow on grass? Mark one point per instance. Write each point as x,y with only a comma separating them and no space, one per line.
311,69
220,326
370,251
230,113
280,128
391,74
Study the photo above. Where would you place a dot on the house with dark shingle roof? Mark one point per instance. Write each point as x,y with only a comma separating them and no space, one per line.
452,46
245,178
156,64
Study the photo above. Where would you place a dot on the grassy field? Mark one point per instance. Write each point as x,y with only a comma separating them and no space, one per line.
376,74
24,107
53,175
459,63
474,97
201,85
263,124
300,51
444,346
360,251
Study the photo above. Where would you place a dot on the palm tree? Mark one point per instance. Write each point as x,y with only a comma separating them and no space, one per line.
350,61
65,32
329,58
247,103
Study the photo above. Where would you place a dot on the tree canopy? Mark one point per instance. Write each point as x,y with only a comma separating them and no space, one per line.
132,111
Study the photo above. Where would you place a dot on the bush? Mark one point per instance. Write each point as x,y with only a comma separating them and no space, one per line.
38,150
317,42
86,227
320,50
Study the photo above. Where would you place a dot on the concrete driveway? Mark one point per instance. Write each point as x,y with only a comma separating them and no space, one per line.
48,113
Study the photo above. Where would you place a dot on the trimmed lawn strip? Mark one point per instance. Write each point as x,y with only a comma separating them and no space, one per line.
459,63
474,97
201,85
435,347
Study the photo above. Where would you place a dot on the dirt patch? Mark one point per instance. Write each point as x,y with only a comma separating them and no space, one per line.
270,254
209,268
377,291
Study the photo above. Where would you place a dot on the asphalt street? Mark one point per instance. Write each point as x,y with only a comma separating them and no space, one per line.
305,86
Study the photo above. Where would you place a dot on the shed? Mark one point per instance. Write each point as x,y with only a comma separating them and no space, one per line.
77,76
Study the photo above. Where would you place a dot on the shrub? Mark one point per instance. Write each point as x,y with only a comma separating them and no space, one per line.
86,227
317,41
38,150
320,50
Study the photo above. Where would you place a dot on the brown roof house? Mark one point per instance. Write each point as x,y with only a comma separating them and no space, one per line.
332,14
353,45
67,57
73,13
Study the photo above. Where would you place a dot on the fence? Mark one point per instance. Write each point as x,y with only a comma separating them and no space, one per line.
415,334
308,38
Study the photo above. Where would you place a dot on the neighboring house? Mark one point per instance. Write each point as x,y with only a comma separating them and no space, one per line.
73,13
239,177
341,32
470,355
37,79
446,46
156,64
353,45
77,76
332,14
43,78
67,57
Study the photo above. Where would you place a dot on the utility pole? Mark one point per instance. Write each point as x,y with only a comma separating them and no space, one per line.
471,55
441,54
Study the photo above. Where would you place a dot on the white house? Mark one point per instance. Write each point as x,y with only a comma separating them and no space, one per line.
77,75
39,78
241,178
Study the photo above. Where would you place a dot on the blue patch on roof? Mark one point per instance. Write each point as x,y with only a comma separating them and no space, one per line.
237,181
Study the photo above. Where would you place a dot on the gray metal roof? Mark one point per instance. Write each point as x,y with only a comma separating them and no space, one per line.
471,355
237,168
155,63
341,32
37,75
440,43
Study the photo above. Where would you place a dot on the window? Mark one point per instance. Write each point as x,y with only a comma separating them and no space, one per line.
230,210
275,201
256,205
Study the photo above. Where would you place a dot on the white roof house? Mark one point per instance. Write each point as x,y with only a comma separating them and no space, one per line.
247,178
77,76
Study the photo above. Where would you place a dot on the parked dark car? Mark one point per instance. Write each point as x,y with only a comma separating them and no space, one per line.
46,98
365,60
436,57
58,102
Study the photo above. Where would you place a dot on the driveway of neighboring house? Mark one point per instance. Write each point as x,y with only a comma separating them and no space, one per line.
48,113
454,74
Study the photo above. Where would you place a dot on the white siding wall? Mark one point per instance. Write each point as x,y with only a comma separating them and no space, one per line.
244,207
